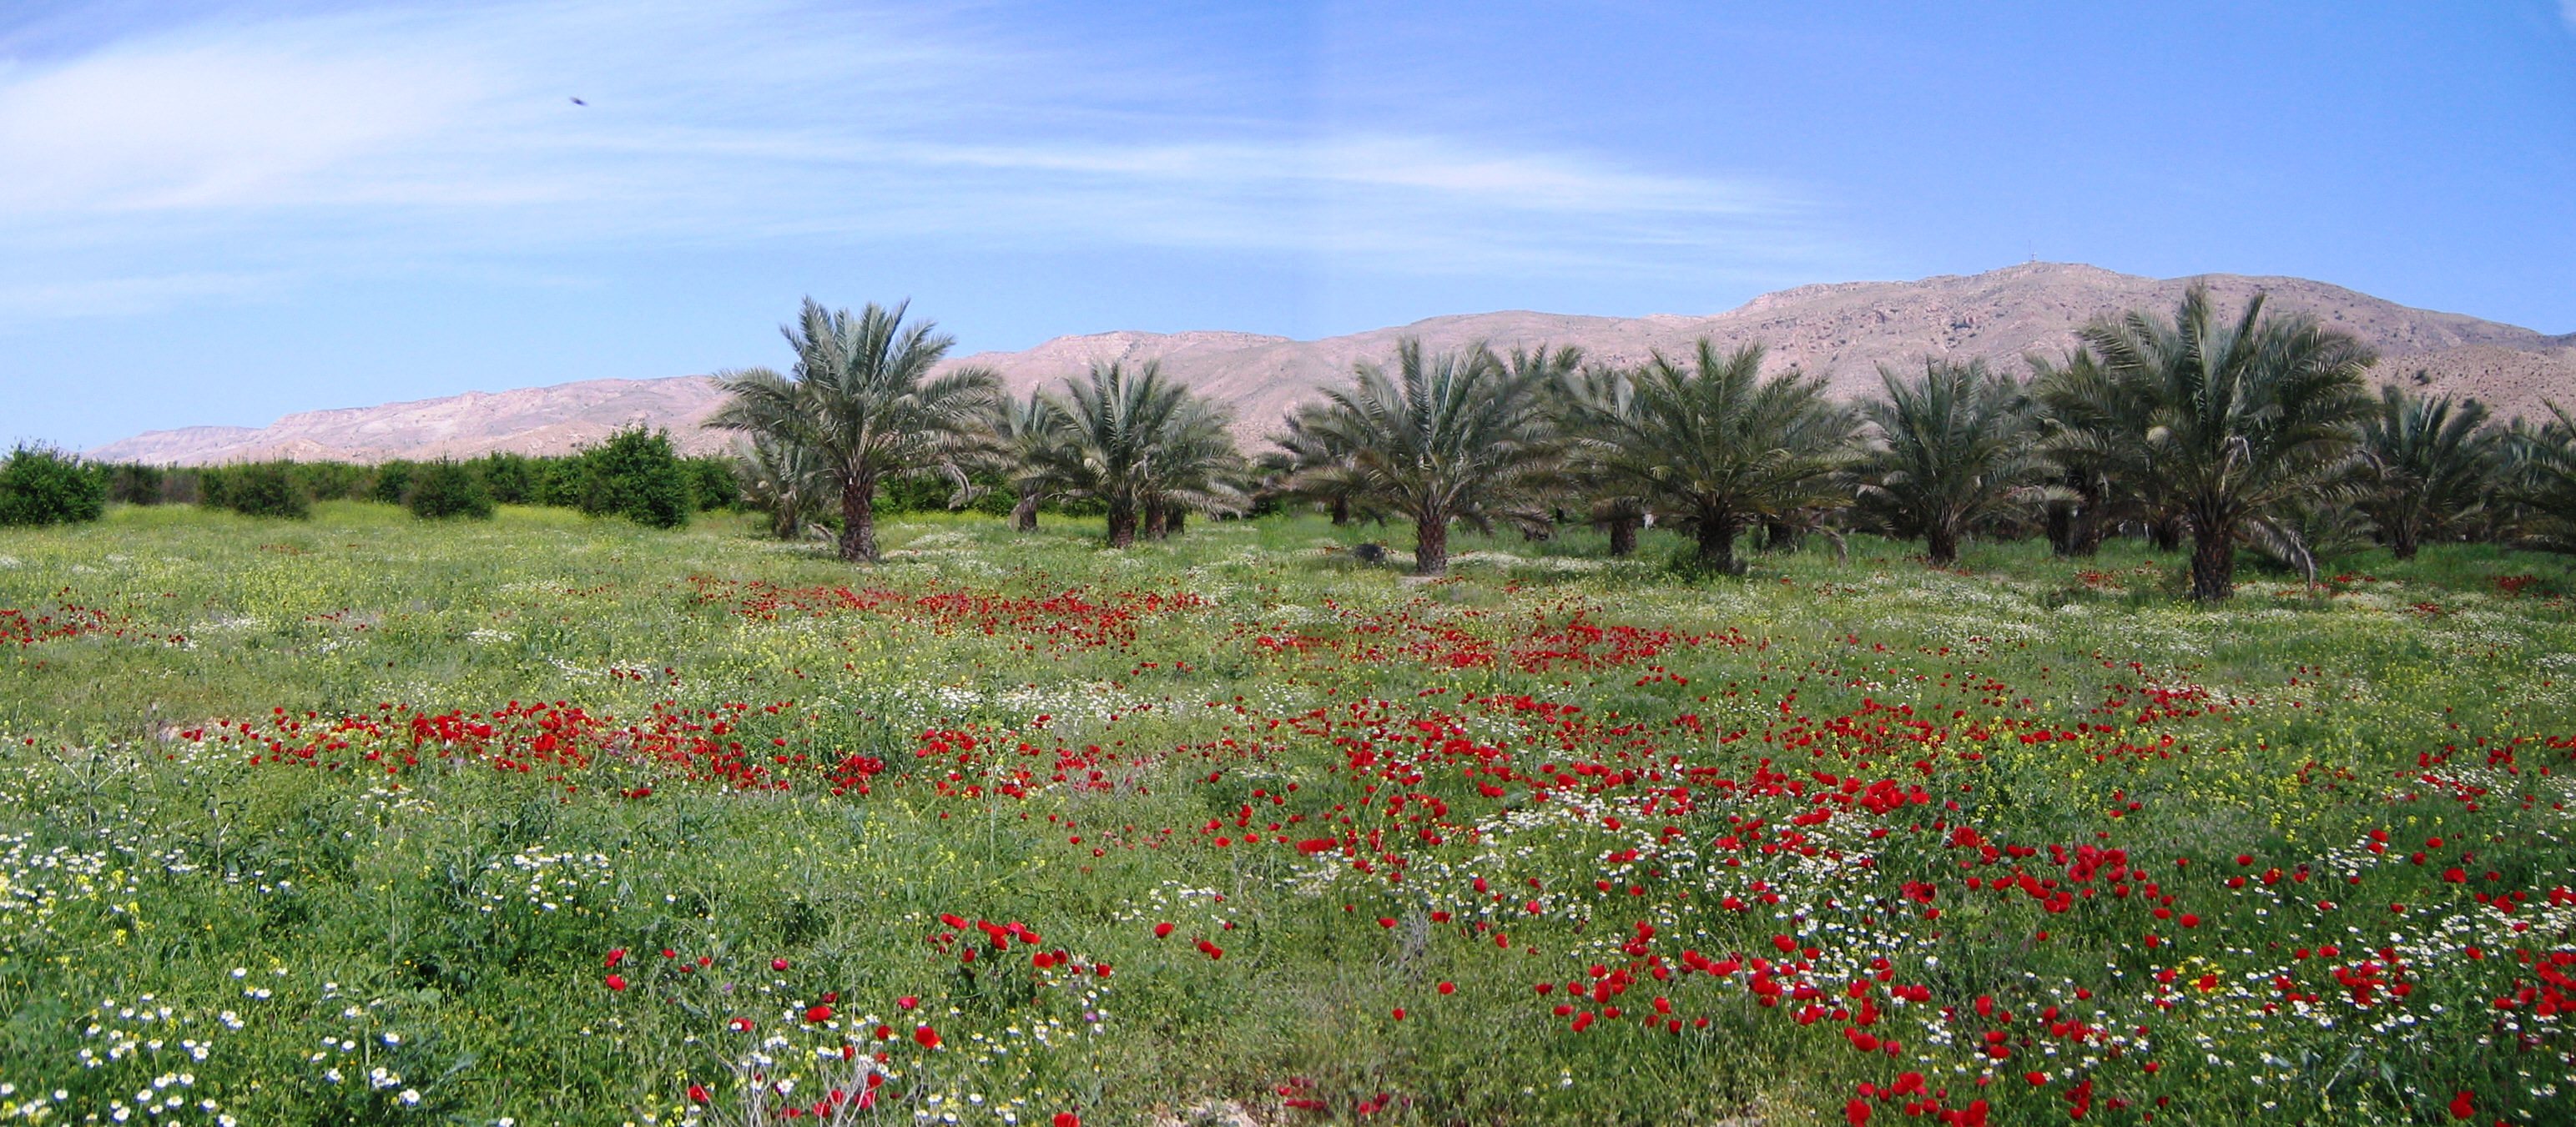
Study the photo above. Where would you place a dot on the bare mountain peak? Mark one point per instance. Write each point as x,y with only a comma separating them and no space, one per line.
1842,331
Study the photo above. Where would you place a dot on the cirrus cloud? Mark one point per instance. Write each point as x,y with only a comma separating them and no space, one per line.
307,145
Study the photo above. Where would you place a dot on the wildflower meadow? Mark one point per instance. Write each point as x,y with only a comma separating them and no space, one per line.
550,819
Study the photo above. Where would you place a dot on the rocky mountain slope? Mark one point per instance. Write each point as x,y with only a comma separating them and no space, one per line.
1843,331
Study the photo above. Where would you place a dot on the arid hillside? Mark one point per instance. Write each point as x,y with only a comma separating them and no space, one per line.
1844,331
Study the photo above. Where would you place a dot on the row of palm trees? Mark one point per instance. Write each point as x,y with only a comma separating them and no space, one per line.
2253,428
862,406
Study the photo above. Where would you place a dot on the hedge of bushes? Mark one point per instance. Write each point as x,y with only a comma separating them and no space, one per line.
636,474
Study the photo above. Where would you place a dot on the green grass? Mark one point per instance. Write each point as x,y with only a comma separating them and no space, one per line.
1076,741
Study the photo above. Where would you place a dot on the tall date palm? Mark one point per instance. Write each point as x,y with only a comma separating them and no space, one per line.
2431,465
1449,436
1145,447
2092,427
1598,403
1028,440
2253,415
1718,445
1950,447
863,400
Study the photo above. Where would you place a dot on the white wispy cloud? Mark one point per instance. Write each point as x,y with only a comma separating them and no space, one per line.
266,148
132,293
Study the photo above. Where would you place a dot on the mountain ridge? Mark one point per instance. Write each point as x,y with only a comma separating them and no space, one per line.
1841,330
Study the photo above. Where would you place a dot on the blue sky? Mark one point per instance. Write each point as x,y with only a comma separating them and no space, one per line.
223,212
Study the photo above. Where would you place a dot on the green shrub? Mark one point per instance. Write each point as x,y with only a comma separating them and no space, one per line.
712,480
510,479
332,481
39,485
258,489
443,489
559,482
393,482
635,475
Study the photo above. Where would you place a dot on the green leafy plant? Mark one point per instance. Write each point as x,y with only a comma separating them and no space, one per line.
445,489
39,485
257,489
636,475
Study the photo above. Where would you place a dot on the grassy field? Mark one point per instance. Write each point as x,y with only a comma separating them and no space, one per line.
366,820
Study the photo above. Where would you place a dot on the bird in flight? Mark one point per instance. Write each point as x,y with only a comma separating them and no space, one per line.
579,102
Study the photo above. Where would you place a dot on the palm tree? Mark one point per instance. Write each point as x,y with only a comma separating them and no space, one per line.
788,482
1952,447
1451,436
1028,436
2251,416
2092,427
1600,401
1717,445
2540,480
1195,468
2431,465
1320,468
862,399
1142,445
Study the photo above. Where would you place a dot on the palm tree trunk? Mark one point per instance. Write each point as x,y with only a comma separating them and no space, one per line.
1122,524
2402,540
1717,544
1781,536
2213,562
2092,497
859,519
1024,516
2060,519
1341,510
1623,536
1942,544
2165,532
1154,520
1174,519
1431,545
